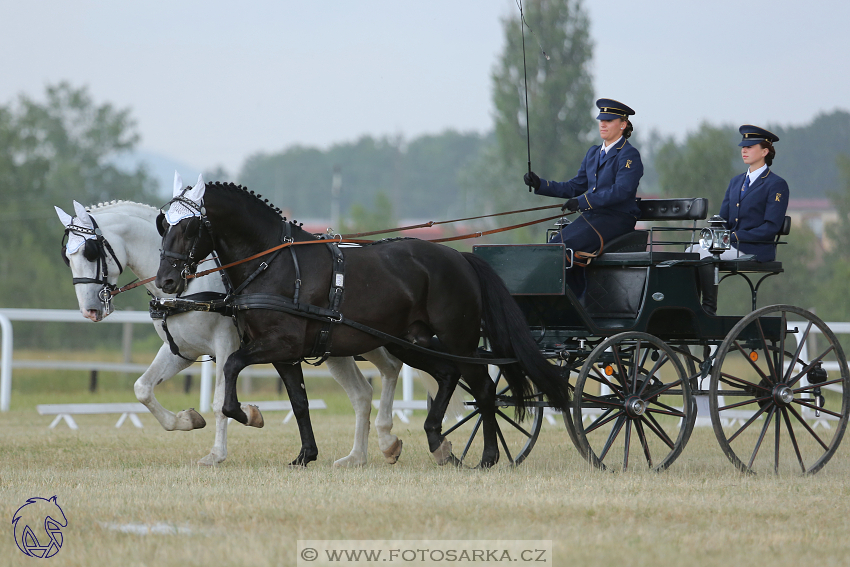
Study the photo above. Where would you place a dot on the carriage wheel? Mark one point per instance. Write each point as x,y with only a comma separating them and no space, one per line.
515,438
773,410
632,403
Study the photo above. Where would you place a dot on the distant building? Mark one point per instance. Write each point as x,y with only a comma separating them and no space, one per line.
814,213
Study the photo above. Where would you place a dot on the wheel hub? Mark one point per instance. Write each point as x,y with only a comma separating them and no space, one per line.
635,407
783,395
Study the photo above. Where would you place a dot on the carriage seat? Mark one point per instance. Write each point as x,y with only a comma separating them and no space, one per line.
657,209
751,266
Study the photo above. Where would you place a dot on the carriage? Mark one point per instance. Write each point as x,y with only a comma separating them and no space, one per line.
646,363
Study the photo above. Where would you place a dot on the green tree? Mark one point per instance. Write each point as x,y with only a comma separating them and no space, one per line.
51,153
560,89
560,103
700,167
379,216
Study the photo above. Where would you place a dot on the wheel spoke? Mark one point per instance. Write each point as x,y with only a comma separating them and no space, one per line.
822,410
671,411
644,444
761,437
658,364
504,444
627,440
741,381
747,424
801,342
746,403
793,439
808,428
776,451
603,380
471,437
474,412
599,423
512,422
622,370
770,368
605,402
655,427
813,386
753,364
637,365
661,390
612,437
783,332
811,365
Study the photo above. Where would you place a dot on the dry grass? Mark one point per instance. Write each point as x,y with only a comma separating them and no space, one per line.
252,509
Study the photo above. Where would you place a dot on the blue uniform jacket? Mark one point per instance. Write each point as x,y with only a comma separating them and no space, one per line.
757,215
610,185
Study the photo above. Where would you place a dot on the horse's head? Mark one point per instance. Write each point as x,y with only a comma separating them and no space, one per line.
94,263
186,237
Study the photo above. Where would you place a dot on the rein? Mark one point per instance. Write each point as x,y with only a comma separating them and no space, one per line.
348,239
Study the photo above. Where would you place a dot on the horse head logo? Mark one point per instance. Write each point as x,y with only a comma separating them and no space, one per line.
38,527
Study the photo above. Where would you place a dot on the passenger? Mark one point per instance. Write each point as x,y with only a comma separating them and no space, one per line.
754,208
604,190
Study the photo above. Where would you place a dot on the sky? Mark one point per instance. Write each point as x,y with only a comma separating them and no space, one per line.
211,83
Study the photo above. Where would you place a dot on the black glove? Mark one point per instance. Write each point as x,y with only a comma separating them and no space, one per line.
571,205
531,180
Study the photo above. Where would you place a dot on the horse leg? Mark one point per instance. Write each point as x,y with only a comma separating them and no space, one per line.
293,379
389,367
447,375
219,450
245,414
164,366
484,390
345,371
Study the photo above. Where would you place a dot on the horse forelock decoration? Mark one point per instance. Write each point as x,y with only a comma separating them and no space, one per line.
130,229
304,300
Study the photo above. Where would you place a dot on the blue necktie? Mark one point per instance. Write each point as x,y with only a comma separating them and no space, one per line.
746,183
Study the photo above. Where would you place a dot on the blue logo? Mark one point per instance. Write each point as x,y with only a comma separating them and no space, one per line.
38,527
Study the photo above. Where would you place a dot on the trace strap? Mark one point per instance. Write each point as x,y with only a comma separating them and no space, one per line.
282,303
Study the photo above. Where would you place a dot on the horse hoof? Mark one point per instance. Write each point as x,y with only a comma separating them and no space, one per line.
351,461
394,452
188,420
198,421
443,452
211,460
255,418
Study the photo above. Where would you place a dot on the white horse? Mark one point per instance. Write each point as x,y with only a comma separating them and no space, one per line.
131,233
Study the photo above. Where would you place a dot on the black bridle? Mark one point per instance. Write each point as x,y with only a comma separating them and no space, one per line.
190,260
94,250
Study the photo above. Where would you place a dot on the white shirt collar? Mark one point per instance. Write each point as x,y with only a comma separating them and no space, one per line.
606,148
753,175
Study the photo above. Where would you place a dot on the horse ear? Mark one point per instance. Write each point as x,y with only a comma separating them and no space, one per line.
196,193
64,217
83,215
161,223
178,184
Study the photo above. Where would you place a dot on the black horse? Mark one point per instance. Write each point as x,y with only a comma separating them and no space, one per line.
423,293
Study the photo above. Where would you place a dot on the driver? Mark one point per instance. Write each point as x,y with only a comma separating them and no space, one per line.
605,188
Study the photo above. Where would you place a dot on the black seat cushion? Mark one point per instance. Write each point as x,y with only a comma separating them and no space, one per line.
634,241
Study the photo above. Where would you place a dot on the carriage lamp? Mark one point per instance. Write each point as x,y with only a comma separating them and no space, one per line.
716,238
817,376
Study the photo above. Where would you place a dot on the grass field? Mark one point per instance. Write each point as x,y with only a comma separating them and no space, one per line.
252,509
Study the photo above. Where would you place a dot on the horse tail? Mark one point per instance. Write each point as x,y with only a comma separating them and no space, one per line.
506,328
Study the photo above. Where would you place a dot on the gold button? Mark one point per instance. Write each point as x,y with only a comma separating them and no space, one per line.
738,205
736,218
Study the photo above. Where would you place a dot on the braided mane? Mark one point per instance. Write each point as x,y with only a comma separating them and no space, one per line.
243,192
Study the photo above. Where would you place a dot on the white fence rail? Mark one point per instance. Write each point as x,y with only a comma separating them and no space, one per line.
7,364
